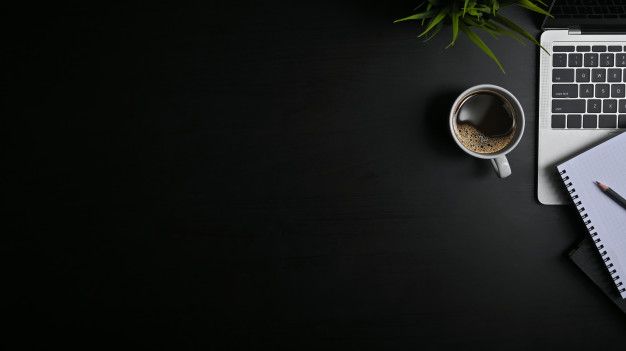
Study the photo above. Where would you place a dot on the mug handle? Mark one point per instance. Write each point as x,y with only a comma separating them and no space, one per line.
501,166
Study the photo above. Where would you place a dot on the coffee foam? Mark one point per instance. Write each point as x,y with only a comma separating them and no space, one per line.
478,142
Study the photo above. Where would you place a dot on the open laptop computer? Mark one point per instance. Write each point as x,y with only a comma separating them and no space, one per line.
582,98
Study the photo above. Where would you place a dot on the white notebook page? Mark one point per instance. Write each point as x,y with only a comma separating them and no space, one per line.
606,163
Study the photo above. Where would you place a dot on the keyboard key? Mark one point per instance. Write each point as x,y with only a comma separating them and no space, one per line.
558,121
607,121
563,75
574,60
602,91
590,121
569,106
614,75
617,90
593,106
607,60
621,104
586,91
583,48
621,122
598,75
564,91
591,60
563,48
582,75
574,121
615,48
620,60
609,106
559,60
597,48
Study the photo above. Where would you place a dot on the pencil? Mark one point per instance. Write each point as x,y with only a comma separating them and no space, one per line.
612,194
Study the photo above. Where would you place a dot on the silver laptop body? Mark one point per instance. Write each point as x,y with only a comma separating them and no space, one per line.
580,100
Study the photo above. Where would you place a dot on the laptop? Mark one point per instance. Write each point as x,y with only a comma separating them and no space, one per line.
582,92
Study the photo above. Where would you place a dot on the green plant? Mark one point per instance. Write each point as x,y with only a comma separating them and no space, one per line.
464,15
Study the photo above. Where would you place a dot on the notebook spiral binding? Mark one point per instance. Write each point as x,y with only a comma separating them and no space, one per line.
592,231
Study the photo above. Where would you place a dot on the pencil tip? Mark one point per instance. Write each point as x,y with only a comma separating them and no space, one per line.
601,185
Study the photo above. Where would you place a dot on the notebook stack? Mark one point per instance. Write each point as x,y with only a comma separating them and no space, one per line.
602,255
586,257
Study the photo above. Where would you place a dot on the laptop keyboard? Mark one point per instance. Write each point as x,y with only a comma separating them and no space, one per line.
588,86
589,9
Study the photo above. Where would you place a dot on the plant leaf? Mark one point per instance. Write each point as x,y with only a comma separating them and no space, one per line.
434,32
416,16
440,16
481,44
418,6
455,29
455,23
529,5
496,6
510,33
428,7
516,28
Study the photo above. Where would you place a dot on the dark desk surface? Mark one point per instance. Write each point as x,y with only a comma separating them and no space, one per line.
279,176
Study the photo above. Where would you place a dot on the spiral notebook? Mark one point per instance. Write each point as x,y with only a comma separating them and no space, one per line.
605,219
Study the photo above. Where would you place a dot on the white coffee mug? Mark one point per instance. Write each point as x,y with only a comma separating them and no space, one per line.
498,159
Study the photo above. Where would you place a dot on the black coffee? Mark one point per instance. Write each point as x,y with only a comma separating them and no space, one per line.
485,122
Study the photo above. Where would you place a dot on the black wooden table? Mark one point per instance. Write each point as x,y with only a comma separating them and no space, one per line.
217,175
